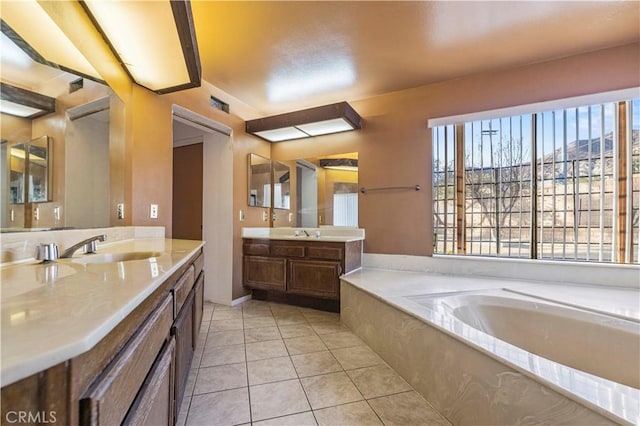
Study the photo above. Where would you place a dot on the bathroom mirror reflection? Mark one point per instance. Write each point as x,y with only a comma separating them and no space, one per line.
281,186
259,181
40,197
324,191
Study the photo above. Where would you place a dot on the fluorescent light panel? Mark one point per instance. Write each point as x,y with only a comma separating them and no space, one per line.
148,37
34,26
12,108
317,121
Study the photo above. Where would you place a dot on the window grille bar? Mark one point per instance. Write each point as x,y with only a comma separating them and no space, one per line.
565,169
446,189
576,192
590,180
629,182
533,228
553,184
602,184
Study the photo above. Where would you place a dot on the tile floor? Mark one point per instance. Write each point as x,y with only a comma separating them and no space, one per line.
263,363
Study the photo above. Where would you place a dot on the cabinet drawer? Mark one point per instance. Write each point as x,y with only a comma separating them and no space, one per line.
329,253
109,397
287,251
257,249
154,404
267,273
198,264
182,288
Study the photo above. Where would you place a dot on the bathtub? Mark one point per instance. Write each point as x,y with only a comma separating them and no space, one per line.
577,338
495,351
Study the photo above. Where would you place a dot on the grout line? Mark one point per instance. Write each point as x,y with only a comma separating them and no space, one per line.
246,364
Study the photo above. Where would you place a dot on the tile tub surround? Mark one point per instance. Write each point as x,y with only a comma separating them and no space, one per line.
327,233
288,374
56,311
470,384
21,246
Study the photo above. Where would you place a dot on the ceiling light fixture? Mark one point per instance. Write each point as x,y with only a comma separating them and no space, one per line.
155,41
323,120
344,164
24,103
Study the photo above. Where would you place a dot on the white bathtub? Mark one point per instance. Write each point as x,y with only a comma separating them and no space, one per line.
601,345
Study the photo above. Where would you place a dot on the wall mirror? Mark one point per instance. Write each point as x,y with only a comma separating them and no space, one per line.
259,191
43,191
324,191
39,170
281,186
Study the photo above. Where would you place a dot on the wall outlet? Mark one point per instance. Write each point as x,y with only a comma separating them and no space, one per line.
12,214
241,215
120,210
265,216
290,217
36,213
56,214
153,211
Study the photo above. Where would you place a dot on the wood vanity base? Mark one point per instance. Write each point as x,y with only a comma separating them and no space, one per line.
293,299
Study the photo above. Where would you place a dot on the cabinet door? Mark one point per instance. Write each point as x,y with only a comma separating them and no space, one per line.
154,404
198,306
314,278
183,331
266,273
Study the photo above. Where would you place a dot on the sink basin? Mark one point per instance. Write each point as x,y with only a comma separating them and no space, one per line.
118,257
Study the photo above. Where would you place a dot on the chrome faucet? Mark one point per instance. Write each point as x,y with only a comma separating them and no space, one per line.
89,245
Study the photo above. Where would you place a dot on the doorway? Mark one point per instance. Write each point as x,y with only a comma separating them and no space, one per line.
209,153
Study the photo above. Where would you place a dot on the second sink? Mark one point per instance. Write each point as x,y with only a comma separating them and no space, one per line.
118,257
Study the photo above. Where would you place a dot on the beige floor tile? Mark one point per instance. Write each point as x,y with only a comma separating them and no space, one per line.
219,307
224,377
356,413
184,410
356,357
252,335
264,350
277,399
256,322
291,319
296,330
330,389
320,316
257,313
221,355
305,344
407,408
377,381
225,338
220,408
270,370
280,308
206,314
226,325
302,419
315,363
326,327
226,314
344,339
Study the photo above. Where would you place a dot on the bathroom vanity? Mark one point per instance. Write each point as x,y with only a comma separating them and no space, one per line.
300,266
91,341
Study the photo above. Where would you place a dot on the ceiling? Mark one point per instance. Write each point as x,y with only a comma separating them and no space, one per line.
283,56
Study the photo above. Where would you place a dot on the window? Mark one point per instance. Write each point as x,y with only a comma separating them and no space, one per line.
561,184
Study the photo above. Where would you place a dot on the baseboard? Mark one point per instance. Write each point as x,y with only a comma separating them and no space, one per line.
240,300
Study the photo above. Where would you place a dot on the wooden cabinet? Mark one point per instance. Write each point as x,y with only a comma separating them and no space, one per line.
299,268
154,404
135,375
182,330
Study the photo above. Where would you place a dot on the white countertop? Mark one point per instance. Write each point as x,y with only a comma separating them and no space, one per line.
395,288
336,234
56,311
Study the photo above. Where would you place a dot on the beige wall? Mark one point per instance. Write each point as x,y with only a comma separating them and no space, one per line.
394,145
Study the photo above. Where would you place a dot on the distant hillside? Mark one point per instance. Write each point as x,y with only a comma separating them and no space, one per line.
579,150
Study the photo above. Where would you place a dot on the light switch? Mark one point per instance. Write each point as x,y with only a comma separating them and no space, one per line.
120,210
265,216
153,211
36,213
56,214
241,215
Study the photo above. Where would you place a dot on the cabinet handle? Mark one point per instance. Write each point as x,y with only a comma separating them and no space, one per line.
339,269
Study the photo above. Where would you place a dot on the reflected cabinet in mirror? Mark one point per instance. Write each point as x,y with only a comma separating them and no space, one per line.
323,191
259,181
61,166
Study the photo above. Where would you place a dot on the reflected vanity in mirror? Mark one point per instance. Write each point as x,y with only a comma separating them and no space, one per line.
42,185
259,181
